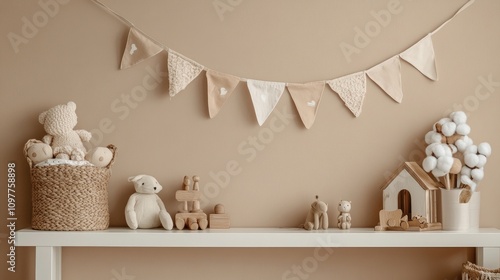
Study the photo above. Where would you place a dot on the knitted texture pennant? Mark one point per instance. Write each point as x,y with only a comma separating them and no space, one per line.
265,95
181,72
351,89
307,98
421,56
220,86
387,75
138,48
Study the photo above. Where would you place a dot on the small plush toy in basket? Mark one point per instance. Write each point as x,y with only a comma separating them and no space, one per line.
69,184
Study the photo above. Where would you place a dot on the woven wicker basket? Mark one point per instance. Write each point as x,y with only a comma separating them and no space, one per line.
471,271
70,198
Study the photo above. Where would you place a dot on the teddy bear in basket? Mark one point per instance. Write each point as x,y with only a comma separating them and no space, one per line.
62,141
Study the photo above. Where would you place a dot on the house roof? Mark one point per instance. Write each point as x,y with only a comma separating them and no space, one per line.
423,179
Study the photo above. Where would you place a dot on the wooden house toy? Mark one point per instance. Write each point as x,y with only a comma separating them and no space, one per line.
191,214
415,193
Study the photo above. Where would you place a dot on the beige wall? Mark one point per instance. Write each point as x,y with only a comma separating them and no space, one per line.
74,55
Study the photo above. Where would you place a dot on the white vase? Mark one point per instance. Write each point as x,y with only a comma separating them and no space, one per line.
474,210
455,215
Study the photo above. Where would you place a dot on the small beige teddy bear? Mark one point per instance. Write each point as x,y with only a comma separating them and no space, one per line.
344,218
317,218
59,122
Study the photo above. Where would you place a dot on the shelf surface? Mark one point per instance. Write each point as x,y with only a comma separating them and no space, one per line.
258,237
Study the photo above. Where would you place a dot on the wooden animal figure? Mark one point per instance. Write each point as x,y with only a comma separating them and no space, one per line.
344,218
317,218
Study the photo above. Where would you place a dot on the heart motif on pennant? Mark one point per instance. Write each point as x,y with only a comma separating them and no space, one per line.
223,91
311,103
133,48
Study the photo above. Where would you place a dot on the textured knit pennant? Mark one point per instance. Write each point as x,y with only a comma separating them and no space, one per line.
306,98
138,48
352,90
220,86
387,75
265,96
421,56
181,72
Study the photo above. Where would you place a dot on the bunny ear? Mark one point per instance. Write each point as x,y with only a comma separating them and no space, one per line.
135,178
41,117
71,105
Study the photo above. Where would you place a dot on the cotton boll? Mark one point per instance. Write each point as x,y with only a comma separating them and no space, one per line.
463,129
439,150
477,174
459,117
464,179
471,160
429,150
465,171
472,149
484,149
438,173
429,163
433,137
448,129
482,161
445,163
438,126
463,143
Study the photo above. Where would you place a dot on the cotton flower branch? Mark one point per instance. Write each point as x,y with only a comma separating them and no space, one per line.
448,142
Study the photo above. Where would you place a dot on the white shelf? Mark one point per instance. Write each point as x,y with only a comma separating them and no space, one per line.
49,243
258,237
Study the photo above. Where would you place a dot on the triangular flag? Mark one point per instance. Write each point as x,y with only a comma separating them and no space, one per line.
220,86
265,96
138,48
351,89
421,56
387,75
306,98
181,72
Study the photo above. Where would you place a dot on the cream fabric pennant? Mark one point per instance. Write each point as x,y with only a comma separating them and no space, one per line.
265,95
351,89
421,56
387,75
220,86
181,72
307,98
138,48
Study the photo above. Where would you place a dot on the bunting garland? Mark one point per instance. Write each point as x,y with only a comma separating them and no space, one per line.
352,90
421,56
306,98
219,87
181,72
138,48
387,75
266,94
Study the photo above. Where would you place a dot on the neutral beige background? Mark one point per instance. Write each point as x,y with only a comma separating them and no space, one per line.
75,54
